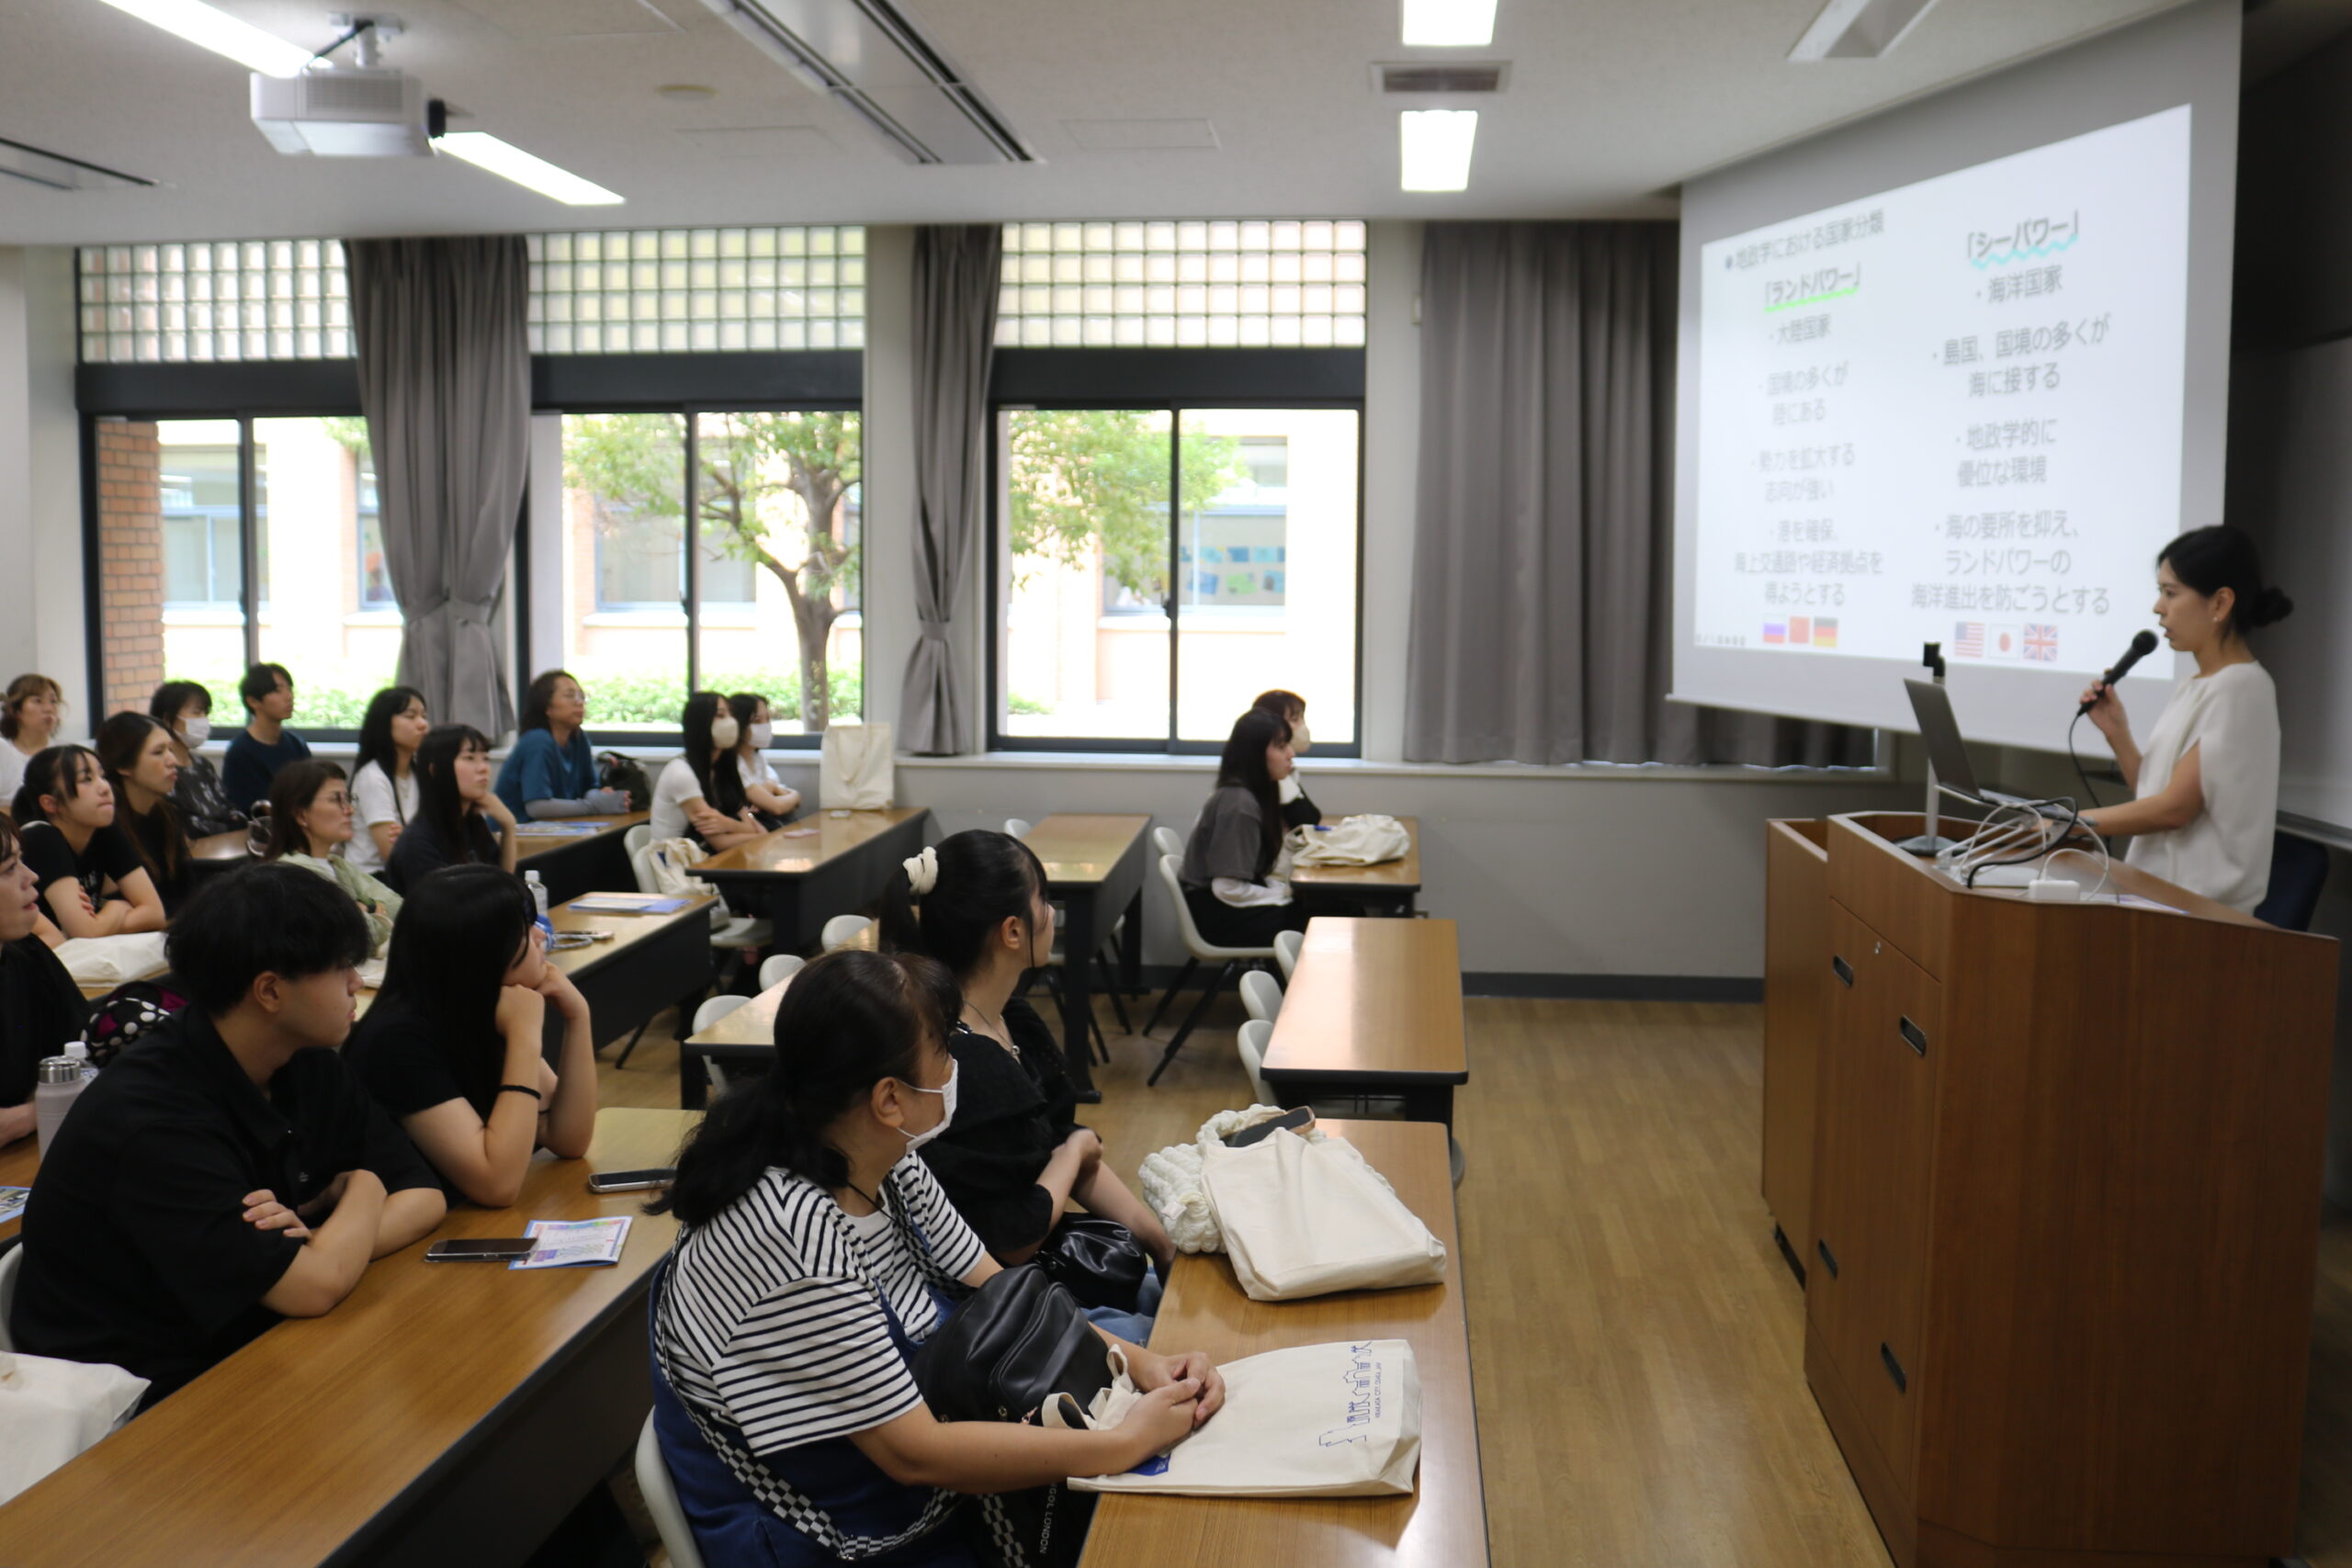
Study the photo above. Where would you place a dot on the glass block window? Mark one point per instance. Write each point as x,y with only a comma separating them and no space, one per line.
682,291
214,300
1250,283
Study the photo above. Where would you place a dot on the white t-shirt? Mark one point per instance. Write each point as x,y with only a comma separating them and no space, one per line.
757,770
12,771
2231,718
676,785
375,799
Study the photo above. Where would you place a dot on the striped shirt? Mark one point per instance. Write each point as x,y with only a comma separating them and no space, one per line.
770,1315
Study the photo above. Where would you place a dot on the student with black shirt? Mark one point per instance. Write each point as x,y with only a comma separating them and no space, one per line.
91,878
452,1047
143,771
41,1008
265,745
185,708
455,810
227,1170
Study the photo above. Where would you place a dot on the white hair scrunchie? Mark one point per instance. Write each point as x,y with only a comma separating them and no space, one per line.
922,871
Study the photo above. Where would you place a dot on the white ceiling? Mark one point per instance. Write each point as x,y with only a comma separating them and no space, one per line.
1610,105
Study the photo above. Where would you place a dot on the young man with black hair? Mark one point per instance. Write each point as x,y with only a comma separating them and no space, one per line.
265,745
227,1171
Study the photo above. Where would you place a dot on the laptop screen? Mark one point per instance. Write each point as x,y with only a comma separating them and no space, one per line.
1931,704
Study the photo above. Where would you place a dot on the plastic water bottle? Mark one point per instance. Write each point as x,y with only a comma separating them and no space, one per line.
59,1083
540,898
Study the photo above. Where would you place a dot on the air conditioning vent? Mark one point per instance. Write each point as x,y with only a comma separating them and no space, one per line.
1418,76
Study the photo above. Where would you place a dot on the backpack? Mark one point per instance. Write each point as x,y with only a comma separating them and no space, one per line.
125,1015
617,772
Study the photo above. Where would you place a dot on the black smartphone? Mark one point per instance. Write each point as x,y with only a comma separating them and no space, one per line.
631,1180
481,1249
1296,1121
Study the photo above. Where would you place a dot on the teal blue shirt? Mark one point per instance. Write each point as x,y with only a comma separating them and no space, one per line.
537,769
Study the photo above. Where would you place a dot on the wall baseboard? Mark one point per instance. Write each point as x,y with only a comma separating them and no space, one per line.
1578,987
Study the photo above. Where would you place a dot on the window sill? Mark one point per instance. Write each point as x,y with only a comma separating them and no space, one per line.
1312,766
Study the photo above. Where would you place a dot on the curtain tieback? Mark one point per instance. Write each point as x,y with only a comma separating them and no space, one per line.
935,631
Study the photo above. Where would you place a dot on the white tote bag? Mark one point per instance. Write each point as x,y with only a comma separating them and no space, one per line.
111,960
1352,841
1318,1421
1303,1219
855,772
51,1411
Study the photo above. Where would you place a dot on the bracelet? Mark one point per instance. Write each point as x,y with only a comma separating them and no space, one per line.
519,1088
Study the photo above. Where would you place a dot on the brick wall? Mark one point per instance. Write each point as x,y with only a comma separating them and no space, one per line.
130,563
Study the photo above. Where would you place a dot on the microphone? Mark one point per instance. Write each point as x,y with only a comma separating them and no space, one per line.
2142,646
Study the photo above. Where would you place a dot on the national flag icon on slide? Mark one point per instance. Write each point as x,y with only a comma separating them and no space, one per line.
1825,631
1968,639
2041,644
1776,631
2004,642
1799,631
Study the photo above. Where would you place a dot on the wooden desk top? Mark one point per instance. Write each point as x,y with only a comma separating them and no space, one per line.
794,850
283,1452
1079,847
233,845
18,1162
1444,1524
1373,998
1401,876
627,930
753,1023
527,844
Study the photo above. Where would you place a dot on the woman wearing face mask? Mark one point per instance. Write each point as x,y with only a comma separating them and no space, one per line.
184,708
459,819
763,791
91,878
551,773
1236,871
29,717
786,1318
2206,790
700,794
41,1008
383,779
1291,708
143,770
453,1046
310,826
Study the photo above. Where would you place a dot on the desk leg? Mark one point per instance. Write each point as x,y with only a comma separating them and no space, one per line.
1432,1104
1131,949
1080,937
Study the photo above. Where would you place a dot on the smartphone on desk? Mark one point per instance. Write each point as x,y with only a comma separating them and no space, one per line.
1296,1120
631,1180
481,1249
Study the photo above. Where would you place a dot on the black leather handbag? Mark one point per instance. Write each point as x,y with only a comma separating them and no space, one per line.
1098,1261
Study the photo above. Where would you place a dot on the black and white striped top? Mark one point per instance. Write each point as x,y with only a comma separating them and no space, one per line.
770,1320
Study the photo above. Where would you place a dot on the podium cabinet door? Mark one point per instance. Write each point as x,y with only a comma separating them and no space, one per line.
1876,1124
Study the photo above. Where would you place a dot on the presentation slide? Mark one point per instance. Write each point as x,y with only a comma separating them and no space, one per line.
1950,413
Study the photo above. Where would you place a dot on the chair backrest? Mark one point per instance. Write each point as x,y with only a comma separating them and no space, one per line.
1175,883
661,1500
1016,827
637,838
1168,842
843,929
1286,946
1262,995
10,1261
776,970
641,865
2298,872
1252,1041
714,1009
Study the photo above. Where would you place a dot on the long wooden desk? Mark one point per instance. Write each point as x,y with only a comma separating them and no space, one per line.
571,863
652,961
1444,1525
1375,1006
446,1413
1094,870
746,1035
820,866
1392,886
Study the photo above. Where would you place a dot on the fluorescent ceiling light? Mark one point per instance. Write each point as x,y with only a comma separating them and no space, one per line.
1858,30
1436,145
510,161
221,33
1449,24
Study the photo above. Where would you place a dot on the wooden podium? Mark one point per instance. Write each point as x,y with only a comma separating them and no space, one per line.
2053,1171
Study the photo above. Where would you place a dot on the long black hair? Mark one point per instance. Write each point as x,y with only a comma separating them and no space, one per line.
375,744
55,771
847,1021
722,787
2210,559
460,930
290,793
119,742
1243,766
462,833
985,879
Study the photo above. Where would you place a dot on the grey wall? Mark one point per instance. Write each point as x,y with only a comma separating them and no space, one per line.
41,472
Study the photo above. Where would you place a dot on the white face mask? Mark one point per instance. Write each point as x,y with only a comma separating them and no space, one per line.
763,737
725,733
947,1112
196,731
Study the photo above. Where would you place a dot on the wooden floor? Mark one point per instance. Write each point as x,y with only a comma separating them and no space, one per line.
1634,1335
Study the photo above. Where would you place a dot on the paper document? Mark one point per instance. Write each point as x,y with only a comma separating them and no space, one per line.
558,829
12,1202
575,1244
629,904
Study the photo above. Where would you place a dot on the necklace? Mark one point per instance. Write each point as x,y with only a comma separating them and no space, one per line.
993,1028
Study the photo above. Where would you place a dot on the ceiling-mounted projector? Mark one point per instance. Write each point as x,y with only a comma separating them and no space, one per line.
347,113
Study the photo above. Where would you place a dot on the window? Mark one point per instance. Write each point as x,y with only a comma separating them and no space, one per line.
687,290
314,484
1216,284
765,505
1121,617
228,299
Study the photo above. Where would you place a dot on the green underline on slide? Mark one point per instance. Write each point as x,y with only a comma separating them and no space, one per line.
1812,298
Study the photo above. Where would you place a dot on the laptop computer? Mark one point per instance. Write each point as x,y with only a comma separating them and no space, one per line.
1931,705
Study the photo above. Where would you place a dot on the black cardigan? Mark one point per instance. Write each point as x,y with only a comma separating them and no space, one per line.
1009,1117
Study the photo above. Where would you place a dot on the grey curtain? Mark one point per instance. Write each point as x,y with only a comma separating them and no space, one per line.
445,381
1543,561
956,294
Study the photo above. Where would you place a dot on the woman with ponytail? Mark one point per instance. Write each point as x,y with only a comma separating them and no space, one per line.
1017,1156
2206,788
786,1318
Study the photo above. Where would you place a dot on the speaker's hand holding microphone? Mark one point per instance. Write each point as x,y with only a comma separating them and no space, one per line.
2099,699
